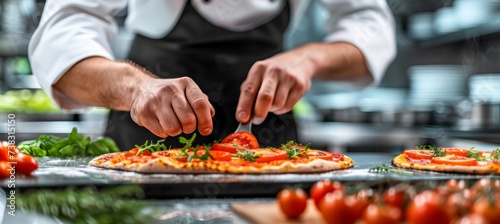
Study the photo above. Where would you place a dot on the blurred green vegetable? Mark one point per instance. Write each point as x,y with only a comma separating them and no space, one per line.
27,101
74,145
87,205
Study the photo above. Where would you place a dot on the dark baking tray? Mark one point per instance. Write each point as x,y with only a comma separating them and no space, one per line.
59,173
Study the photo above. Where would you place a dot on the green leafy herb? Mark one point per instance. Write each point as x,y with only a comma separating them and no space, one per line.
386,169
294,150
475,155
152,147
438,152
205,156
73,145
187,145
247,155
495,154
86,205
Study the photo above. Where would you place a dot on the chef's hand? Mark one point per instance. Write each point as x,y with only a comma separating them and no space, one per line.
275,85
169,107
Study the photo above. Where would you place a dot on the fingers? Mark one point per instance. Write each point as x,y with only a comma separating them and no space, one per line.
171,107
249,90
274,87
143,116
202,108
266,95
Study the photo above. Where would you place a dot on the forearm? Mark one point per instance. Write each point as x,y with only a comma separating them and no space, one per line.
97,81
339,60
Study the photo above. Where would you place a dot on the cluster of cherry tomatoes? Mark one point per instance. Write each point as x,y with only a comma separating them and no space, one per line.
13,162
454,202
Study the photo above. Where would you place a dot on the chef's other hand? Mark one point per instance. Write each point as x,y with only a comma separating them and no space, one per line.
275,85
169,107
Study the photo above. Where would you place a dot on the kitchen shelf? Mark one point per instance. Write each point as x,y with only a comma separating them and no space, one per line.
490,27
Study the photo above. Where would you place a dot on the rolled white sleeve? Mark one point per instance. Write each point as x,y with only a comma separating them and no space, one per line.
368,25
69,31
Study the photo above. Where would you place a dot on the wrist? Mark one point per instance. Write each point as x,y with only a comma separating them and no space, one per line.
313,60
128,86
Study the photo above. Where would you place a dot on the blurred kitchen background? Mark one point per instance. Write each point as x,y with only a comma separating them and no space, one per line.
443,88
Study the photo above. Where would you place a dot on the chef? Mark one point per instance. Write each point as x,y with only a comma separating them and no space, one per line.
204,65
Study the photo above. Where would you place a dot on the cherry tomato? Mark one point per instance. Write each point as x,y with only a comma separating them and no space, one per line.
486,184
8,152
419,154
382,214
471,219
458,204
26,164
322,187
456,184
334,209
357,204
454,160
4,172
292,202
244,139
426,207
267,155
395,197
227,147
488,207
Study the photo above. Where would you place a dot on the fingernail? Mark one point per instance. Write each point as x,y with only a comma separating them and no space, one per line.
272,109
207,131
242,115
258,120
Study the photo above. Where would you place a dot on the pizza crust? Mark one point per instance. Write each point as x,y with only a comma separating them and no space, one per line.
401,161
172,166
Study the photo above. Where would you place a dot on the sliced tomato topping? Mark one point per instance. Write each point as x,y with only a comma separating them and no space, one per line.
243,139
227,147
458,151
131,152
419,154
324,155
267,155
174,152
454,160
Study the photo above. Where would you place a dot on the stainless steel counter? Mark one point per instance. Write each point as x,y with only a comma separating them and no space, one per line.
56,173
207,197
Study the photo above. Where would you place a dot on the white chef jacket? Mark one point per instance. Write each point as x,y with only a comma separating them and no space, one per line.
72,30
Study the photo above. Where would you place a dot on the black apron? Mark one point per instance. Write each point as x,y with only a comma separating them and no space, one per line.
218,60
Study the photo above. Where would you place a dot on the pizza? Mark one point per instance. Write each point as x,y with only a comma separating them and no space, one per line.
238,153
453,160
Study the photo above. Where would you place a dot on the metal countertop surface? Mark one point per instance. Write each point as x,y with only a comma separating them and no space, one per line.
58,173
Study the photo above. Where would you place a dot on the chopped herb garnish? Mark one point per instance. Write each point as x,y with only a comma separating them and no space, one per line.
475,155
205,156
294,150
385,169
247,155
187,145
438,152
152,147
495,154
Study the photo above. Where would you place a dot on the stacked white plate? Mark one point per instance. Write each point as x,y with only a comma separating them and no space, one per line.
485,88
473,12
421,25
430,84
